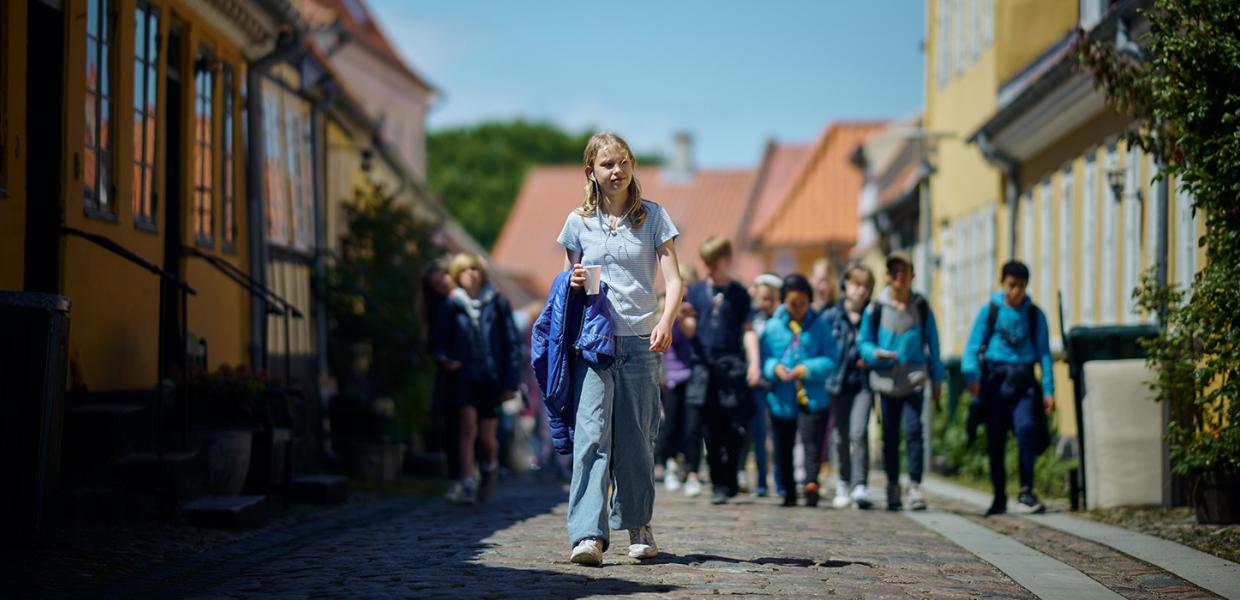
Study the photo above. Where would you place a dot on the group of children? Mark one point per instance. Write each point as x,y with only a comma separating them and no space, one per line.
774,357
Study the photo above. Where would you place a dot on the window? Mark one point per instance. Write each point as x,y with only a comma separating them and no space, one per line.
1154,218
1091,13
990,271
1066,248
228,184
1185,237
958,35
97,145
288,168
204,148
1045,244
960,277
977,285
988,22
975,29
1132,232
146,57
948,282
1089,210
1110,265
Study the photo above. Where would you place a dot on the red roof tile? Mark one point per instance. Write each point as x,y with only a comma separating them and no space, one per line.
356,20
820,205
711,202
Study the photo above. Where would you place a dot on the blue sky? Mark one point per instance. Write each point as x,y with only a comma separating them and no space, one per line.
732,73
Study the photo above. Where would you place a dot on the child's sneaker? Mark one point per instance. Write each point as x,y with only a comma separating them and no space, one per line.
671,476
811,494
861,497
997,507
742,483
487,485
1030,504
916,500
588,552
455,490
893,497
641,543
842,500
469,490
693,487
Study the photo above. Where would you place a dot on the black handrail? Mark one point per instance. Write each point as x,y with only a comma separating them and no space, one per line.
273,308
269,298
128,255
185,290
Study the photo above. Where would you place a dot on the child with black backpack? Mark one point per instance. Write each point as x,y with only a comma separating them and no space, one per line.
900,342
1008,338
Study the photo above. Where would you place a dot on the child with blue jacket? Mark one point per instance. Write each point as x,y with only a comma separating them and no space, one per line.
1008,338
900,341
796,349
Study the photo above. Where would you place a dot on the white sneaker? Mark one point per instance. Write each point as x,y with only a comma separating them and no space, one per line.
693,487
641,543
453,495
842,499
861,497
671,476
469,491
742,482
916,500
588,552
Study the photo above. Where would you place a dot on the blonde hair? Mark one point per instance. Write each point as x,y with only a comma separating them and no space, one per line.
714,248
636,213
860,275
463,262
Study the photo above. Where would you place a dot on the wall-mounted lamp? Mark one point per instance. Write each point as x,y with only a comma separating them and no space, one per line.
1116,177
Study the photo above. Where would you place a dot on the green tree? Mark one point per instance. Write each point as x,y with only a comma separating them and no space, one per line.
372,295
477,170
1183,88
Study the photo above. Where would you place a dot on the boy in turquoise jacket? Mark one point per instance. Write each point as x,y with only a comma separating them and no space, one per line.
900,341
796,349
1009,337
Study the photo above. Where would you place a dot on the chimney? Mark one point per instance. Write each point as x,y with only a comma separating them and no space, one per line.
679,167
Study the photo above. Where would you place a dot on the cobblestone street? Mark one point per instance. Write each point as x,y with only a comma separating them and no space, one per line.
515,548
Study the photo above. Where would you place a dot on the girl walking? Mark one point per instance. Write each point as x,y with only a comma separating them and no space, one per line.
618,407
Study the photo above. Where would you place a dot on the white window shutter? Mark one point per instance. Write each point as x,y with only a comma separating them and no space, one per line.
1132,232
1110,265
1066,248
1045,267
1089,211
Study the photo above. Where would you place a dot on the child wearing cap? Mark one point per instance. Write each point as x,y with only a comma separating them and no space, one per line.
900,341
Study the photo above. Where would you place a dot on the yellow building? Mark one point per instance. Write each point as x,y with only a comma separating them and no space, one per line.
122,119
1036,169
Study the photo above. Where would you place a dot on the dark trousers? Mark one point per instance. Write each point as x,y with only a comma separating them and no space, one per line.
1011,408
672,432
756,438
907,410
447,425
813,427
723,433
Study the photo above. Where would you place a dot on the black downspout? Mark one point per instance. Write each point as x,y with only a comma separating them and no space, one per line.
287,45
318,146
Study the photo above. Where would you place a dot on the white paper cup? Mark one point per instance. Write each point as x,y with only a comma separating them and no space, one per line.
594,276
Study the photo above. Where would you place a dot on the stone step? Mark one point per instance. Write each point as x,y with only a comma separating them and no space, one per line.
96,435
233,513
319,489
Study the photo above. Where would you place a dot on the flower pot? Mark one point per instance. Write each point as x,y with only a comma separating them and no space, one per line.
228,459
1217,498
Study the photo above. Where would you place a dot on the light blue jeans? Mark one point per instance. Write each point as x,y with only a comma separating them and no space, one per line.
613,444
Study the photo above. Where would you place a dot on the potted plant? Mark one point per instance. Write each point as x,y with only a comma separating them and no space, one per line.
225,408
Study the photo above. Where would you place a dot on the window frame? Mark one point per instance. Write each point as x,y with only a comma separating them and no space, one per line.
1066,241
205,160
1089,212
103,110
145,185
1110,243
228,165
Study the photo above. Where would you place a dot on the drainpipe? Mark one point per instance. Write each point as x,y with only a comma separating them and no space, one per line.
1011,175
288,44
318,145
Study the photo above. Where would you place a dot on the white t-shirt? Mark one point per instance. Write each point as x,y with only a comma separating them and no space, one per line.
629,262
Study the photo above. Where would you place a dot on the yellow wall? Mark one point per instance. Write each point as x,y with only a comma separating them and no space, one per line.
1026,28
115,316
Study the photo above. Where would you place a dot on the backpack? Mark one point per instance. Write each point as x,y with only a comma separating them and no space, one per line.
992,315
923,311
